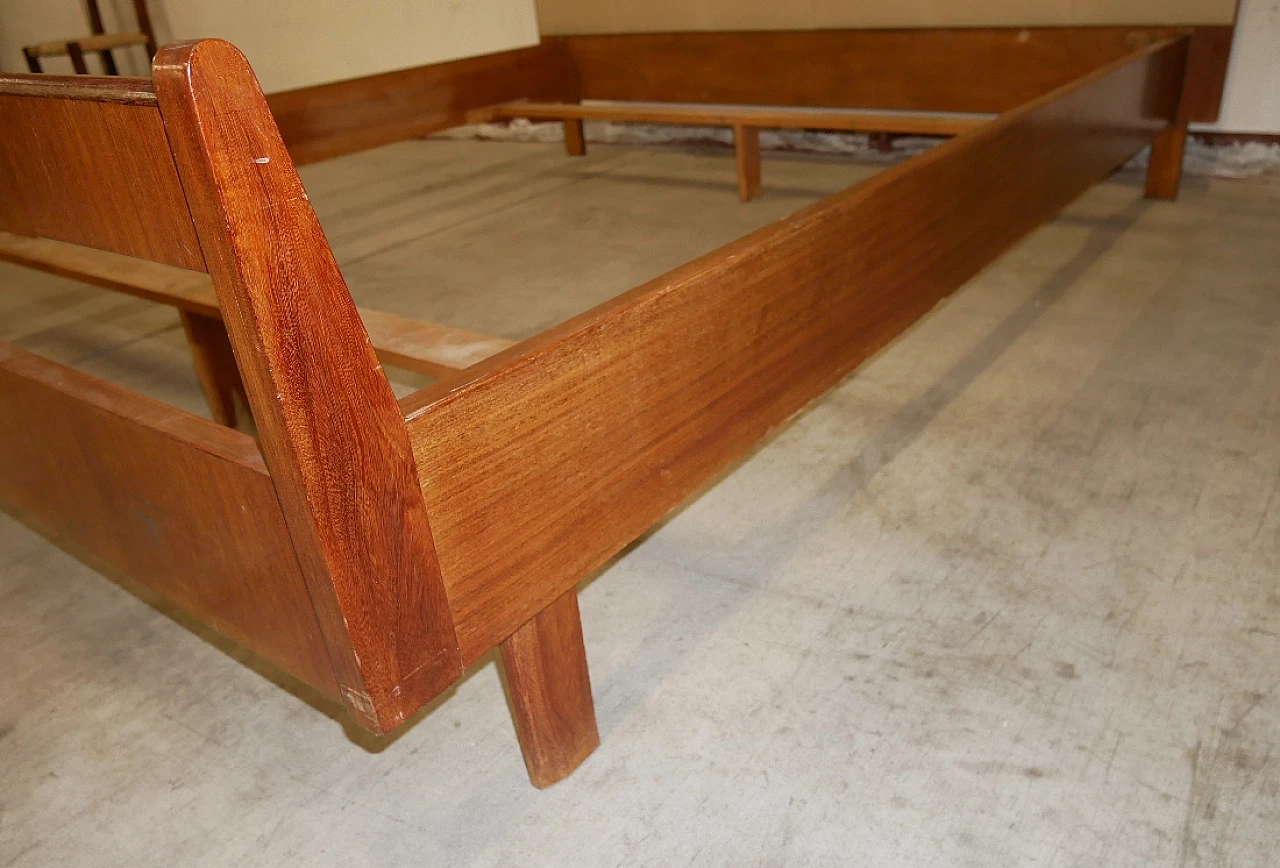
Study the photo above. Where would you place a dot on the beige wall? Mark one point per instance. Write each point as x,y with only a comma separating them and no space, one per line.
298,42
621,16
292,43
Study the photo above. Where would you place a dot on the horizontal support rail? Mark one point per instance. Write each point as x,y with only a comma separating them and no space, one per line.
763,118
415,345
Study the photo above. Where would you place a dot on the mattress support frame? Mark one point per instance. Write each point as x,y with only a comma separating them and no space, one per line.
375,548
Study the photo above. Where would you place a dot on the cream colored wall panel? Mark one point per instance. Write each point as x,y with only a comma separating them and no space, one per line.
585,16
291,43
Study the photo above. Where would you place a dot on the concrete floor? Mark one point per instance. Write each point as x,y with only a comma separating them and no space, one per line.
1007,596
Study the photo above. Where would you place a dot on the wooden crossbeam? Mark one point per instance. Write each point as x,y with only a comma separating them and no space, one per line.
424,347
763,118
746,122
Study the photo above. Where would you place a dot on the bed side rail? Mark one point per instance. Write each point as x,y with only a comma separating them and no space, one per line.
86,160
559,452
971,69
180,504
329,120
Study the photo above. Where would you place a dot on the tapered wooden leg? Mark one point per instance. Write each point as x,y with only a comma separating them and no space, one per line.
546,668
575,141
215,365
33,62
1164,173
746,146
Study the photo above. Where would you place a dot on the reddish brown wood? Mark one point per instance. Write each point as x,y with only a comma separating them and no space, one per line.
178,503
330,427
215,366
746,150
1207,59
559,452
575,140
546,668
91,165
333,119
940,69
1164,171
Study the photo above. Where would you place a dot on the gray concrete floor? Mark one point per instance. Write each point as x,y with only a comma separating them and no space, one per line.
1007,596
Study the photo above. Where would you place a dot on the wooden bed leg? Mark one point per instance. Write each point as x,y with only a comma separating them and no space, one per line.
746,147
546,667
215,365
575,141
1164,172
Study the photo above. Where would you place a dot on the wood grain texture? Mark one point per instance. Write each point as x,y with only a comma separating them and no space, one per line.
768,118
546,668
215,366
331,430
178,503
415,345
333,119
94,169
554,455
746,152
959,70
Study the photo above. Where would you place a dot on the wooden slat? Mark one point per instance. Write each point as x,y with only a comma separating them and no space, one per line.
562,450
760,118
980,69
347,116
414,345
92,166
97,42
180,504
330,427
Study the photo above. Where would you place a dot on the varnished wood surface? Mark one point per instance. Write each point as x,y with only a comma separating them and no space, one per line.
333,119
415,345
215,366
746,153
768,118
546,668
93,171
1164,172
125,91
330,427
178,503
557,453
575,139
958,70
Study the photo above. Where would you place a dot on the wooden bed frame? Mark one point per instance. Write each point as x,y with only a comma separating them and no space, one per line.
374,548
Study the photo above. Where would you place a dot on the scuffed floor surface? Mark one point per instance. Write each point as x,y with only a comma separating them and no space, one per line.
1007,596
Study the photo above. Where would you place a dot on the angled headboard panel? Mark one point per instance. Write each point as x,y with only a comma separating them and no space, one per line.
87,161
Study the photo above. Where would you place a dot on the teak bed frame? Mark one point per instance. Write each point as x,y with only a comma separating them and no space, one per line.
373,548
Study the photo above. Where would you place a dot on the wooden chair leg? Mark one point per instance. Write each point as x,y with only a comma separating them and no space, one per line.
746,147
33,62
77,58
1164,172
546,668
575,141
215,366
